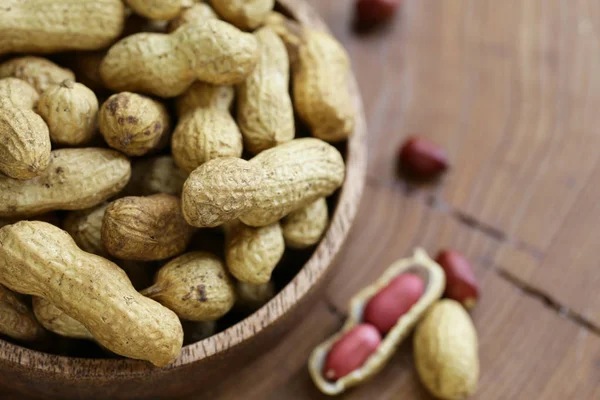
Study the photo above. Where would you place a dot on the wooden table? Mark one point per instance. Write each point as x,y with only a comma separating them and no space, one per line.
511,89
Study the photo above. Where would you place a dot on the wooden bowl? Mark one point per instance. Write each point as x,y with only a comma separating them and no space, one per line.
47,375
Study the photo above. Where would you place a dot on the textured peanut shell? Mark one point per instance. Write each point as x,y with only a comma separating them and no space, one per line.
251,297
55,320
48,26
253,253
161,175
70,111
166,64
39,259
435,281
265,189
245,14
305,226
195,285
195,12
145,228
265,112
16,319
75,180
24,137
153,9
445,348
134,124
37,71
85,227
205,95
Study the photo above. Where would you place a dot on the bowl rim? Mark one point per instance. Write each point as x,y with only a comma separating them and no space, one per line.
267,316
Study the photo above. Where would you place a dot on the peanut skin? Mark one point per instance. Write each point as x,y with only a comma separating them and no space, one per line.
265,112
85,227
305,226
39,259
145,228
37,71
134,124
266,188
195,285
162,9
16,319
245,14
24,136
166,64
61,26
75,180
70,111
253,253
55,320
206,129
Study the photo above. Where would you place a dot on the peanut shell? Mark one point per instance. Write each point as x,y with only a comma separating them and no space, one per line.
37,71
55,320
245,14
85,227
16,319
305,226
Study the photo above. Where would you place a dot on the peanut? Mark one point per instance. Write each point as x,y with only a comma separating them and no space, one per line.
16,319
445,348
461,284
253,253
206,130
24,137
265,112
195,285
159,175
422,159
305,226
251,297
145,228
196,11
321,79
245,14
85,228
70,111
134,124
385,308
39,259
162,9
37,71
266,188
166,64
75,180
55,320
67,25
351,351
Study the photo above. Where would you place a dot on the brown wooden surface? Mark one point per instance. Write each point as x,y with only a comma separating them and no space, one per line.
511,90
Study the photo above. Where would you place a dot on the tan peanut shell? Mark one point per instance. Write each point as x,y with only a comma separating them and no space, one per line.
153,9
166,64
265,112
305,226
266,188
419,264
445,348
320,79
24,137
85,227
41,260
16,319
70,111
145,228
253,253
245,14
37,71
195,285
196,11
134,124
55,320
161,175
251,297
49,26
207,131
75,180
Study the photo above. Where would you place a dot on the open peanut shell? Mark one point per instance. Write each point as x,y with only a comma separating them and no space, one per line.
435,282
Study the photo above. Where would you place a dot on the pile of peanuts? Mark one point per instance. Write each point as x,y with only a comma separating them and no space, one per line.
121,148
